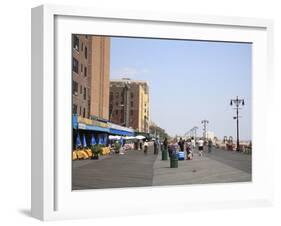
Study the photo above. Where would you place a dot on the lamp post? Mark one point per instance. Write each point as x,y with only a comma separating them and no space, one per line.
237,102
204,122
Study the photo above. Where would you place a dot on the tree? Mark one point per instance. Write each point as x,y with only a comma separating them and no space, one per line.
158,131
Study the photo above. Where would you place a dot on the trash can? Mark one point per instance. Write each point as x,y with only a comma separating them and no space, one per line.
174,160
164,154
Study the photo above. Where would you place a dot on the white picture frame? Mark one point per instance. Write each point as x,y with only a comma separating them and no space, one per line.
52,197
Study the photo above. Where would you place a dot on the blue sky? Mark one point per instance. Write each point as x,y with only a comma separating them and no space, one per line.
189,81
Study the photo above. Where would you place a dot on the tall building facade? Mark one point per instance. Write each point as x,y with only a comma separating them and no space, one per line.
90,75
129,104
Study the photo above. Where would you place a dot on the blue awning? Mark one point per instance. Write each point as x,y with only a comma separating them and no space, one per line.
121,132
74,121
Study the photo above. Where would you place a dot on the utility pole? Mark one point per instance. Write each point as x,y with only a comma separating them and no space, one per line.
126,103
237,102
204,122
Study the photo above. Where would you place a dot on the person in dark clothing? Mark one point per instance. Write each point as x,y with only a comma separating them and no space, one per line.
141,142
181,144
155,148
170,150
165,143
210,144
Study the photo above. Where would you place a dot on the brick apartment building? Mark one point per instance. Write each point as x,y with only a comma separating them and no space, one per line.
90,75
129,104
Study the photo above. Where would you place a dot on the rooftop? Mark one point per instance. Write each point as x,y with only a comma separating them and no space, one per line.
128,80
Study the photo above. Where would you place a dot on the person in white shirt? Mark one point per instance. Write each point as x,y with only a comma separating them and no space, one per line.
200,147
193,144
145,145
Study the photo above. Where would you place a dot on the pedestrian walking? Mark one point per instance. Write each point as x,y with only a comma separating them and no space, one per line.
181,144
210,144
170,150
165,143
158,145
193,143
121,150
155,147
145,145
136,145
141,143
189,153
200,147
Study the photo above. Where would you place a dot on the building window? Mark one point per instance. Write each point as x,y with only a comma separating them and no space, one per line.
82,46
132,95
80,89
85,71
86,52
85,92
74,110
76,42
116,112
75,65
131,112
75,88
84,112
81,67
132,104
80,111
117,95
116,103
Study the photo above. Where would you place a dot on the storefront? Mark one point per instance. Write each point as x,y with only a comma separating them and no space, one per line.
90,128
100,130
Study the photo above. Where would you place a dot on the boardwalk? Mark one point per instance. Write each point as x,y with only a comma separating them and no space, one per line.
217,167
134,169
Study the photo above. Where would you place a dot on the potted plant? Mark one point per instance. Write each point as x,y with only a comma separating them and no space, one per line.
96,149
117,147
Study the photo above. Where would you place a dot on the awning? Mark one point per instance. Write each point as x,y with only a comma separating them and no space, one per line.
121,132
92,128
94,125
88,124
